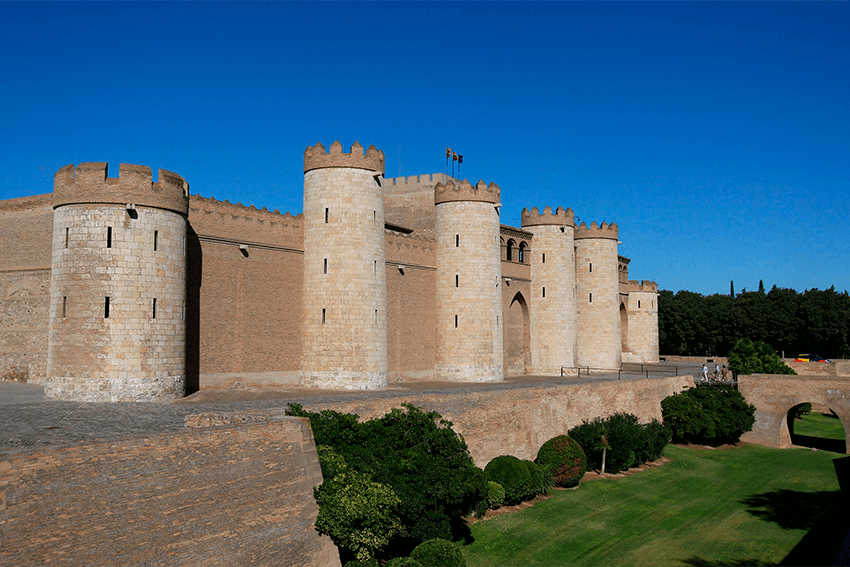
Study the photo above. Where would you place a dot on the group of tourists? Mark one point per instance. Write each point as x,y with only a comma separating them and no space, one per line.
720,374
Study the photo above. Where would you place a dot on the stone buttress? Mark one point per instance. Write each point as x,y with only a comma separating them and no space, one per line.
599,344
469,304
344,336
118,285
553,290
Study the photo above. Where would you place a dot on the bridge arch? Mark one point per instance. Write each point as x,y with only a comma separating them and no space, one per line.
776,396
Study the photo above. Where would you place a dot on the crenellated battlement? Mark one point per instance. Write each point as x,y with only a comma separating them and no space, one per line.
605,230
90,183
466,191
559,217
645,286
425,178
315,157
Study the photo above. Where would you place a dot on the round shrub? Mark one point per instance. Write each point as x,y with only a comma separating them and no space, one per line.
438,553
512,474
403,562
563,459
495,495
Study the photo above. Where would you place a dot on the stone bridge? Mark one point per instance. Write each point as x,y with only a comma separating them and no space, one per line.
777,396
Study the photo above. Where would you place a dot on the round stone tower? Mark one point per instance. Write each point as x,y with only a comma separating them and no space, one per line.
643,321
469,300
599,343
553,290
344,330
118,285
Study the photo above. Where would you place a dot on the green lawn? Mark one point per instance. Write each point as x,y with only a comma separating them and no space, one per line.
746,505
818,425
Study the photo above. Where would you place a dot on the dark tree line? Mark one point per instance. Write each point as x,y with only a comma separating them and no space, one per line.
815,321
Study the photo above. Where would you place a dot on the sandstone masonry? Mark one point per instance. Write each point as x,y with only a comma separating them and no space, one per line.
125,289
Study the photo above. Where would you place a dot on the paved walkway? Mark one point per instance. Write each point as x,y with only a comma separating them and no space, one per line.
29,419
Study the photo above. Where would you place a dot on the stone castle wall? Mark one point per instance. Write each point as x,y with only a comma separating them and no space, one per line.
26,226
642,323
235,495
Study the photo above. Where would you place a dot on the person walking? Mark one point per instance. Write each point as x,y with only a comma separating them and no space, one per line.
704,373
717,372
724,372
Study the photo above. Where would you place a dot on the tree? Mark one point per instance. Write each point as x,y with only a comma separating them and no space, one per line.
711,415
748,357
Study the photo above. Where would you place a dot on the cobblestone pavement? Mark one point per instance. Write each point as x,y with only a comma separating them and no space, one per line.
28,418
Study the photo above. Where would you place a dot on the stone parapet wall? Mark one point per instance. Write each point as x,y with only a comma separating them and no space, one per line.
240,494
131,346
517,421
24,318
409,201
468,293
237,224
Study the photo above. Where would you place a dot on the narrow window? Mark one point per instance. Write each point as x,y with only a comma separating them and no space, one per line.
326,216
375,216
376,316
544,257
326,266
497,320
183,311
374,266
638,303
67,234
106,308
155,238
457,240
64,307
457,280
591,266
590,298
544,292
109,237
323,316
184,245
455,321
153,315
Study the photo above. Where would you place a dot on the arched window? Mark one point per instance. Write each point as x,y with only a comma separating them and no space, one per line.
510,250
522,247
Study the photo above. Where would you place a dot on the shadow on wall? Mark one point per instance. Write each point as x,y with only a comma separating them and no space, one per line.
194,277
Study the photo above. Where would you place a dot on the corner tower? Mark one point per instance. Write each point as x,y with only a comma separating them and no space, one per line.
118,285
643,321
345,286
599,343
469,301
553,289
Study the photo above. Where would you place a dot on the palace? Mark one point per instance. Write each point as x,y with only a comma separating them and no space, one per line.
128,289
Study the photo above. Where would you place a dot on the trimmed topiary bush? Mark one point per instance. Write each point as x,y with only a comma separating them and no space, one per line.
512,474
495,498
589,436
438,553
563,459
403,562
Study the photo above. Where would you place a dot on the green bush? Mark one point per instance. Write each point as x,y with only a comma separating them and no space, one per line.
748,357
495,498
358,514
513,475
367,563
402,562
418,454
563,459
332,463
708,414
629,443
540,481
438,553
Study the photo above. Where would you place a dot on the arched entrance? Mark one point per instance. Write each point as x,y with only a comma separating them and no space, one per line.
624,328
517,337
816,426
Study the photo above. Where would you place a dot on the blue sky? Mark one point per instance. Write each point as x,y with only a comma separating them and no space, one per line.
717,135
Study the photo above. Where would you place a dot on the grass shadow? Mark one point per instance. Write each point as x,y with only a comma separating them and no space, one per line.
699,562
819,443
823,514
